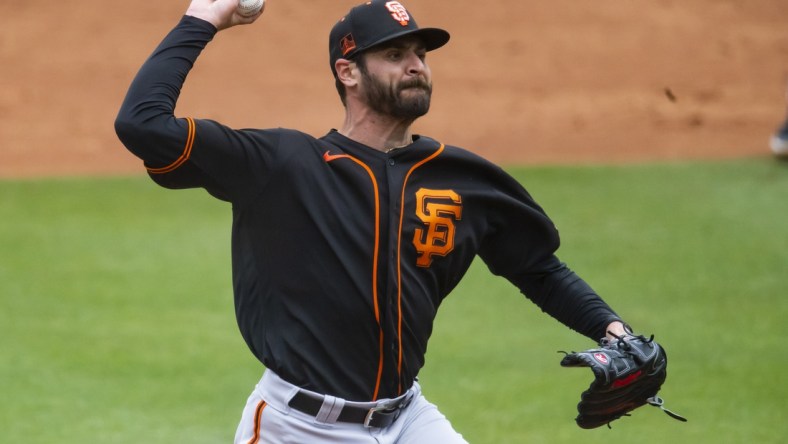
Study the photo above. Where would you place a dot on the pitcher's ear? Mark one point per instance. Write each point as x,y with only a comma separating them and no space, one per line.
346,72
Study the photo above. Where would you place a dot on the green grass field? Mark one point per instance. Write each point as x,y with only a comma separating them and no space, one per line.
117,325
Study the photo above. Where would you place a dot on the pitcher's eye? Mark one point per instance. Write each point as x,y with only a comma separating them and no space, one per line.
394,55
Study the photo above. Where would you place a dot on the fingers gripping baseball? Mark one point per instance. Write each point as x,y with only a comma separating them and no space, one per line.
222,14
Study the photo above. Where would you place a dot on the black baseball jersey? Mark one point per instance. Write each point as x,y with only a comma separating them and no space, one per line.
342,254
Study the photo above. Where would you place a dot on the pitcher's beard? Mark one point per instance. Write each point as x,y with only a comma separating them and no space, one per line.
408,100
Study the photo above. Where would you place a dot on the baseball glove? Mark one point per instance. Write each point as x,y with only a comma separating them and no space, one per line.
628,372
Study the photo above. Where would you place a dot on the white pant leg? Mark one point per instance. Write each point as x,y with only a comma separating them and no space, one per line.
421,423
251,414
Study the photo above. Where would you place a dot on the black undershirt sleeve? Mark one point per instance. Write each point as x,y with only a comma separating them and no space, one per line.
562,294
521,245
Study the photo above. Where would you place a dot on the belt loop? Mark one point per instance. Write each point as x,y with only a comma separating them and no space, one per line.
330,410
325,409
333,416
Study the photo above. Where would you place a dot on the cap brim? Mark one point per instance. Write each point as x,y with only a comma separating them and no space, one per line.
433,38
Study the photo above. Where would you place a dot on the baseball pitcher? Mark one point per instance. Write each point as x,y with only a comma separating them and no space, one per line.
344,245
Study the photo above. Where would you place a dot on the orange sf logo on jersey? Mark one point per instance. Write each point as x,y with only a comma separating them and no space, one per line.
438,209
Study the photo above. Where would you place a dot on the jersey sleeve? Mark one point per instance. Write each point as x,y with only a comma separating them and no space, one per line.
521,246
187,152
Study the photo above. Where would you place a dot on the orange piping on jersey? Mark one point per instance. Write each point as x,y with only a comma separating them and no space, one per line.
187,151
399,260
258,418
328,158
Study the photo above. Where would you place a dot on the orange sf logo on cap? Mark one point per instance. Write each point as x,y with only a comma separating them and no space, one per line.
399,12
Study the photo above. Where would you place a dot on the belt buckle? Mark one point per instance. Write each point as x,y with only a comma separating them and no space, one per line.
393,408
374,410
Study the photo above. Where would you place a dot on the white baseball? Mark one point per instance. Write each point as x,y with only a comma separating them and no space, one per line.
248,8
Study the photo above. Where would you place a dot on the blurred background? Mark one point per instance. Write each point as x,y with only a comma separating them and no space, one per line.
521,82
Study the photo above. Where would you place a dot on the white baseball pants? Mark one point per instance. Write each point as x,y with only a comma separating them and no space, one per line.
267,419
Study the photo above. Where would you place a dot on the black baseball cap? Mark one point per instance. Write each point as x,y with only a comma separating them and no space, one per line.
376,22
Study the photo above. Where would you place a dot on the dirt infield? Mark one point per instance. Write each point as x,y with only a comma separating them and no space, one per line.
526,81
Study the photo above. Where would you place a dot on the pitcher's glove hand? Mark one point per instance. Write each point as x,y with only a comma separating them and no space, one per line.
628,373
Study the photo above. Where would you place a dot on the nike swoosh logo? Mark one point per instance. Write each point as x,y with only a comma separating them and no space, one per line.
328,157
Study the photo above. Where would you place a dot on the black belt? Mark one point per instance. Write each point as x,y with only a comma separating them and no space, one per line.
382,416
